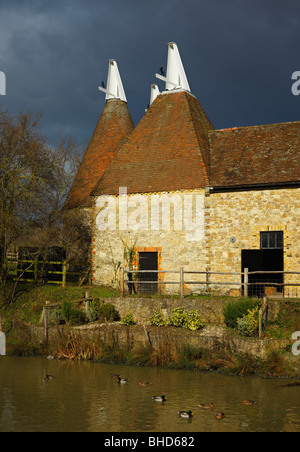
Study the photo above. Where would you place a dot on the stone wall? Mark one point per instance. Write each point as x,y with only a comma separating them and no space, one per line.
243,215
131,336
170,223
143,308
210,309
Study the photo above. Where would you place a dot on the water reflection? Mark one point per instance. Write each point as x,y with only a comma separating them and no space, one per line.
83,397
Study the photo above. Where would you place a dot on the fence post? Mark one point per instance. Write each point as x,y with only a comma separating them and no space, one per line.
122,277
46,322
36,265
207,278
260,315
64,274
246,282
181,283
87,297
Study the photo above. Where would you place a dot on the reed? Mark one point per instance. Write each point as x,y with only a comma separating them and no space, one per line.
165,352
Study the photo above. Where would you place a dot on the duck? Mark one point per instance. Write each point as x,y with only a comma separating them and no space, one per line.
49,377
206,406
144,383
159,398
248,402
122,381
220,415
114,376
186,414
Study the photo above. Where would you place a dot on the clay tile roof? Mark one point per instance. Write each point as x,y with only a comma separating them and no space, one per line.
112,130
168,150
267,154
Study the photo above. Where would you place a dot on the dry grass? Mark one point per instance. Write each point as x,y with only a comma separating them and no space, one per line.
166,352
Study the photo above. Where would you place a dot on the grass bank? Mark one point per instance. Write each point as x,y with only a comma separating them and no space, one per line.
17,321
71,345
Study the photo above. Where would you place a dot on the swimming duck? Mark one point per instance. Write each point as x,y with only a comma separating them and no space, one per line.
49,377
206,406
186,414
159,398
290,385
144,383
220,415
114,376
122,381
248,402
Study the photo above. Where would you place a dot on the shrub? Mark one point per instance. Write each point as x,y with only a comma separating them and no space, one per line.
190,320
71,314
108,312
92,313
193,321
56,316
101,311
178,317
128,320
157,319
236,310
249,324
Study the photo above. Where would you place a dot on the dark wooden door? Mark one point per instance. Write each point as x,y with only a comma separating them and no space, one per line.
148,261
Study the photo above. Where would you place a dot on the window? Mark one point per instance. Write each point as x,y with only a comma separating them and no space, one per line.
271,240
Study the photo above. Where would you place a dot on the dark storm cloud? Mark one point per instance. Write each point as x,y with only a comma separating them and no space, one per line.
238,55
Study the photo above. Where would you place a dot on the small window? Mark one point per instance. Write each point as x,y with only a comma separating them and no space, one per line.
271,240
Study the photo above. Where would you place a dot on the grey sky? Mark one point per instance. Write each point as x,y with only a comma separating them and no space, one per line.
239,57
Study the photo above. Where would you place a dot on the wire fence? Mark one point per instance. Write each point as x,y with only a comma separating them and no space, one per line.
259,284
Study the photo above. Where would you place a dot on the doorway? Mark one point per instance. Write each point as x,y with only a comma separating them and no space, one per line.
269,258
148,261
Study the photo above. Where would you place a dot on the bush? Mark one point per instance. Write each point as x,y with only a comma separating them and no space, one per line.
108,312
249,324
157,319
71,314
128,320
193,321
178,317
101,311
56,316
190,320
237,310
92,313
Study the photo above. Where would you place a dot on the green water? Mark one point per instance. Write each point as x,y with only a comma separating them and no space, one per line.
83,398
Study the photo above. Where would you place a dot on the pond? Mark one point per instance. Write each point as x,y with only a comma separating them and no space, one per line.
83,397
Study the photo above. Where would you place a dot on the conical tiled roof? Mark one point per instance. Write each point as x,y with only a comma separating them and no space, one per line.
112,130
167,151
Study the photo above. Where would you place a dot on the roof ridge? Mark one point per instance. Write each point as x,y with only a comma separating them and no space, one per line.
197,136
230,129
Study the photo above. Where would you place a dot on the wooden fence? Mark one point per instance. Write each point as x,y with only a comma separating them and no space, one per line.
32,270
245,283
